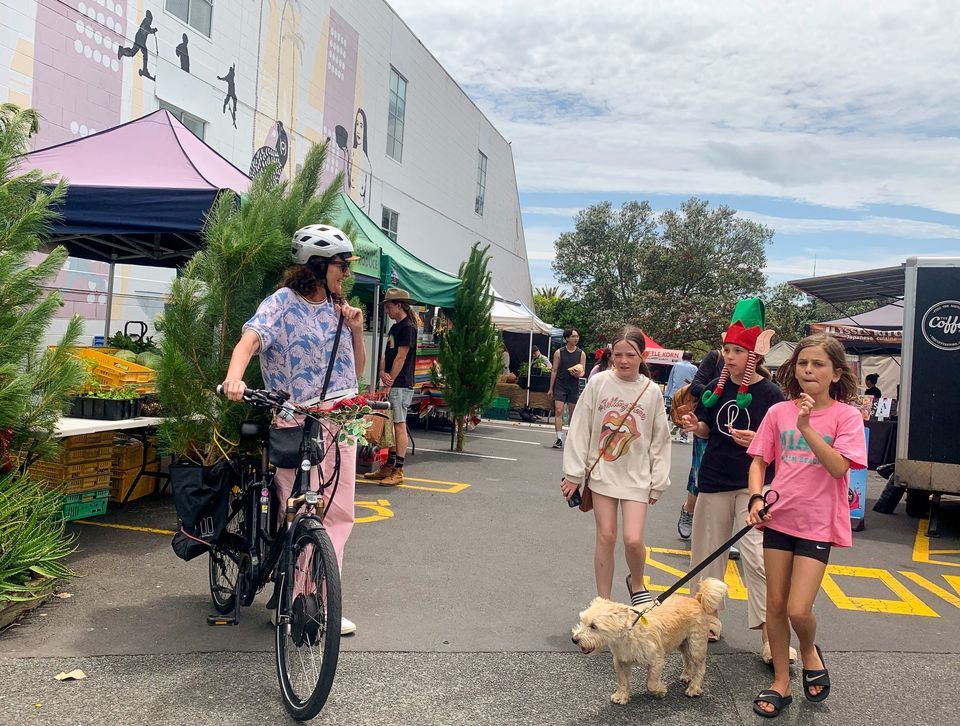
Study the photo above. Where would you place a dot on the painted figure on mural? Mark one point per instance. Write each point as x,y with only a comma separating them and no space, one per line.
359,171
184,54
140,45
274,151
231,94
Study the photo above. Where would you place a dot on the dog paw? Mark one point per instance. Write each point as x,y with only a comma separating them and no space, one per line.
694,691
658,691
620,697
685,677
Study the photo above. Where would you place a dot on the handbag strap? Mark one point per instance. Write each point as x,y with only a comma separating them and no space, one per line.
610,438
333,358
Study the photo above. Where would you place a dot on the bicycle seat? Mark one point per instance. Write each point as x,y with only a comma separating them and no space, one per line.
254,431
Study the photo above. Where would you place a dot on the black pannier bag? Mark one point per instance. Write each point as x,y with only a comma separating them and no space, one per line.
200,495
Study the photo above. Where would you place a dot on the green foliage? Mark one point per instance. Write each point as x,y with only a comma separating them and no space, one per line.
33,542
245,250
137,345
676,275
34,379
469,357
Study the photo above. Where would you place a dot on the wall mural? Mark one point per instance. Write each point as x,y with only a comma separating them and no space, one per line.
140,45
274,151
183,53
339,96
359,172
231,93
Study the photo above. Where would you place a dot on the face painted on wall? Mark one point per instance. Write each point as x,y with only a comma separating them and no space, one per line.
619,436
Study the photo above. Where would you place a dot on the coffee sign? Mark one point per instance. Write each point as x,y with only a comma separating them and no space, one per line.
941,325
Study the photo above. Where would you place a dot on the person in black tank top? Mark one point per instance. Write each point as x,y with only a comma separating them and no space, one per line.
569,366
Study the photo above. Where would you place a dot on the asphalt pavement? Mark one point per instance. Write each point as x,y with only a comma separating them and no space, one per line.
464,584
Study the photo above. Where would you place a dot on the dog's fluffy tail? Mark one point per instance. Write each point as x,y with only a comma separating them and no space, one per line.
711,593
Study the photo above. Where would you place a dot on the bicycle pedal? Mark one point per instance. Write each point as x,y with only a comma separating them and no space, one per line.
222,620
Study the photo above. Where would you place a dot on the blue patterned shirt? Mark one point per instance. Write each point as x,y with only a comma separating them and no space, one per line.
296,337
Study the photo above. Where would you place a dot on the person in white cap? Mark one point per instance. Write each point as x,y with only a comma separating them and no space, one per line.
396,377
293,333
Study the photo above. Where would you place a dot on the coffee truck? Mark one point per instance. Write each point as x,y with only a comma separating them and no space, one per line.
928,434
928,431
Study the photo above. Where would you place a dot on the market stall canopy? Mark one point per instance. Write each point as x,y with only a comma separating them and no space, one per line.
882,326
138,193
398,267
658,355
885,282
515,317
779,354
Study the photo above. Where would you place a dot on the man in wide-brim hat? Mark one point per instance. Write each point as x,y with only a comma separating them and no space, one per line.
396,379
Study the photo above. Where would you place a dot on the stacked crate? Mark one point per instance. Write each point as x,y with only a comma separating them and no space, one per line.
82,472
126,462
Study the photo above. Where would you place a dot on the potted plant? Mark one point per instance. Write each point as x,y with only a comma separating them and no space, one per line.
539,375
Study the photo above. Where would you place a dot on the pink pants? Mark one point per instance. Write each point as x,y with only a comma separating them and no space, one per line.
338,519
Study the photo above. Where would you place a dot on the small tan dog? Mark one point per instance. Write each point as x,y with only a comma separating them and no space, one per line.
680,623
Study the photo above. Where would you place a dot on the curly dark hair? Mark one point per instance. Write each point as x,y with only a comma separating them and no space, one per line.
844,390
308,279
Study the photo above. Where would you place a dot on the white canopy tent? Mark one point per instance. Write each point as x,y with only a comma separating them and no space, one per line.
515,317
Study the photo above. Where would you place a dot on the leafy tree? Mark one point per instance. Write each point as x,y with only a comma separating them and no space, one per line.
677,276
245,250
469,355
550,292
34,380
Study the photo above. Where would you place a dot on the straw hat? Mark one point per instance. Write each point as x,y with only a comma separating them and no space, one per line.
396,294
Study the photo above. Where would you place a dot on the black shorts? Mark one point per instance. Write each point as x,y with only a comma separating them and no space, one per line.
774,540
566,392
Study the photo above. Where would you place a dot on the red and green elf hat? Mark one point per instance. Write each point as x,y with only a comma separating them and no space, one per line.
746,330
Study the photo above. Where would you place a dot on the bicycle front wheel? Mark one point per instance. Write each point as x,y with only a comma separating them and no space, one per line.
308,626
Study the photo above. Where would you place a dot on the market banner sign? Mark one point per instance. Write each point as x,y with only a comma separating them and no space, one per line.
369,262
664,356
853,334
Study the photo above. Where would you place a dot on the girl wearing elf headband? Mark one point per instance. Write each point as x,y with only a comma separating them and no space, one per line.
728,416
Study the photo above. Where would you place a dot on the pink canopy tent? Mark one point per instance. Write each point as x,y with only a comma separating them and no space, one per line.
137,193
659,355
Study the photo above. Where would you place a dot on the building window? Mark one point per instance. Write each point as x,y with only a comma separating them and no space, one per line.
388,223
196,13
481,184
193,123
398,106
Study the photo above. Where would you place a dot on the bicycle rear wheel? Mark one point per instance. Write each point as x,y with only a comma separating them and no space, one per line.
308,629
225,557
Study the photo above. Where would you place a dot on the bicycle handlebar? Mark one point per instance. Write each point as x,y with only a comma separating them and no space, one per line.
281,399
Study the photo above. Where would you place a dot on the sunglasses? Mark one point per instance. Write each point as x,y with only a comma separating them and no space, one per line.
344,266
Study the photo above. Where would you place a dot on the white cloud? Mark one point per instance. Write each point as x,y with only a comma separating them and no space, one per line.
553,211
836,104
887,226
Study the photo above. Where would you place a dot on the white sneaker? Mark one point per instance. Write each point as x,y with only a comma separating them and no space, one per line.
347,627
273,616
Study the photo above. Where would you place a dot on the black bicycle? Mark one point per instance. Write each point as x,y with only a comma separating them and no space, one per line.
296,554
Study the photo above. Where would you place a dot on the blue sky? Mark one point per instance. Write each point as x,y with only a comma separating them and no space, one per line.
835,124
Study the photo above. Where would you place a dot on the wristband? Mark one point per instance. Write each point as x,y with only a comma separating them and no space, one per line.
755,496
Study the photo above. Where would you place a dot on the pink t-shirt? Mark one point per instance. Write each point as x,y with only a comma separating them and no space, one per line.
812,505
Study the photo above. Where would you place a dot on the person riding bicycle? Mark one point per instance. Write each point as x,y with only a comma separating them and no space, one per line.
293,332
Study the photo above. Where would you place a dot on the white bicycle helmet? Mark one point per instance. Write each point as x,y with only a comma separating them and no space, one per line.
321,240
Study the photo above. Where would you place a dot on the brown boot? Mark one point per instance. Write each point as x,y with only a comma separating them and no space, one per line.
395,478
382,473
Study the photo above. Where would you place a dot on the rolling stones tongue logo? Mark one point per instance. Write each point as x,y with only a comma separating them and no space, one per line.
615,438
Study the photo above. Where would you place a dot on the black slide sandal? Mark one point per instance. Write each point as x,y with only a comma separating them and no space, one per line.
778,701
813,678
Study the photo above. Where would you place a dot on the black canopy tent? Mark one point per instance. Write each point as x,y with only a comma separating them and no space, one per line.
137,193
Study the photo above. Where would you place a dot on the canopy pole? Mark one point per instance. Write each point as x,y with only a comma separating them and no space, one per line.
529,366
375,328
106,322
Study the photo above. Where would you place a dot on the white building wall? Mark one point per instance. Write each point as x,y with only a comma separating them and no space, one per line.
309,66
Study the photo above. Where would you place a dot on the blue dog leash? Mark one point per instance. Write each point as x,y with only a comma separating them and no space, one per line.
770,497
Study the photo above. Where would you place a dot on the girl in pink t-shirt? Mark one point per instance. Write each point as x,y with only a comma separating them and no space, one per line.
814,440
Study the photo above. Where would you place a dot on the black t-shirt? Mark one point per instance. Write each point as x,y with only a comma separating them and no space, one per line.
403,333
726,463
873,391
709,370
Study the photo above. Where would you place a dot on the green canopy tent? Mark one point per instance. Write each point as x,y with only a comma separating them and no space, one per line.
386,264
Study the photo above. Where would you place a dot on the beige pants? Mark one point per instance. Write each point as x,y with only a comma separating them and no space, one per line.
715,519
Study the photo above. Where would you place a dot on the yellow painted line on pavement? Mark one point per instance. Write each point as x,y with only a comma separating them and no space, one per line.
922,551
129,527
908,604
449,487
952,580
380,509
735,587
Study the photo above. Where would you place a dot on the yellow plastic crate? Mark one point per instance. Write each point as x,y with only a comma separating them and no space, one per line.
127,454
116,373
104,438
68,472
120,481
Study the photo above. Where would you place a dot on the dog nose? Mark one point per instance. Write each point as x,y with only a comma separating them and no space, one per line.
575,641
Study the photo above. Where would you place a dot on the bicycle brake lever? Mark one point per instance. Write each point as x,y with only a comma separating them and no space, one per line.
286,411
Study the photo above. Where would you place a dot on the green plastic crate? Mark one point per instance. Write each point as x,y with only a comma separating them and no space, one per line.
499,408
85,504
